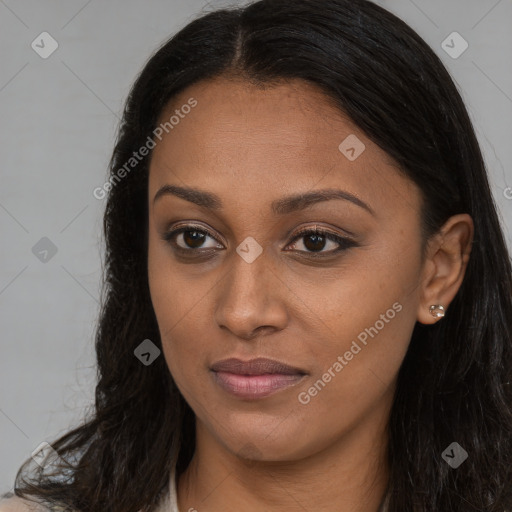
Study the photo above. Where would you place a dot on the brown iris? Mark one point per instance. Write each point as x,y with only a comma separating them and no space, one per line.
318,242
193,238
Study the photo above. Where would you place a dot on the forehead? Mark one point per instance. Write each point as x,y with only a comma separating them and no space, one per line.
233,115
267,141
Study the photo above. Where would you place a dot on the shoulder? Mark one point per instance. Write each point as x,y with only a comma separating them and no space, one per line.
17,504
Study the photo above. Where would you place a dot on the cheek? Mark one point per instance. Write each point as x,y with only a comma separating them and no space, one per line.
366,315
174,294
356,369
167,299
344,302
180,302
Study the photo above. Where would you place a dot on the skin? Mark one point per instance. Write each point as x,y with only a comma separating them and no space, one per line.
251,146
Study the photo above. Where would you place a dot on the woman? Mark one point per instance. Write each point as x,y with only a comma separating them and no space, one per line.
307,289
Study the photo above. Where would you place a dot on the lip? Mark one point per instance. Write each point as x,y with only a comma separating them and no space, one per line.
257,366
256,378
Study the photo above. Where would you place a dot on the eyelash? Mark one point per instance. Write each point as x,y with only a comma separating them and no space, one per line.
344,243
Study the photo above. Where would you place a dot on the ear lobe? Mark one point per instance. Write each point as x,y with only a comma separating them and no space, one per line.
445,267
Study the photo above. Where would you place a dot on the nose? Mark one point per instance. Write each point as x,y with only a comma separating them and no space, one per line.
250,298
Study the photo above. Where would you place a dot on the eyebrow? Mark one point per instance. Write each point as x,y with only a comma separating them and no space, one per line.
282,206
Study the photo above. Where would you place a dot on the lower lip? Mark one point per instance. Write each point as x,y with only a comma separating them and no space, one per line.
255,386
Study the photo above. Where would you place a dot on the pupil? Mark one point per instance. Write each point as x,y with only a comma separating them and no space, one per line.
195,240
318,242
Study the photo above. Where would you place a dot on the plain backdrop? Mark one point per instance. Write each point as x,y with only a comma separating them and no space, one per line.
58,123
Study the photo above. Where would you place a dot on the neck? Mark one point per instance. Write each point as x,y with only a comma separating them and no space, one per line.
349,475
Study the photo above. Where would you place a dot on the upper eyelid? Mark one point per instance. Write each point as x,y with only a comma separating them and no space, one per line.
190,227
313,229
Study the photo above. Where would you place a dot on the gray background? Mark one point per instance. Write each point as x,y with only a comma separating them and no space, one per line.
58,121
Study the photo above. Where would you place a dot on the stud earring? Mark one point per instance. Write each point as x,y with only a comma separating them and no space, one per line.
436,310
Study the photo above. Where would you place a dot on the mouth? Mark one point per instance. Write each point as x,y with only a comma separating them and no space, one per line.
256,378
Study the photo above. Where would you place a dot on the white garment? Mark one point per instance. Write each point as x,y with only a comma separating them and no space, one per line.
169,503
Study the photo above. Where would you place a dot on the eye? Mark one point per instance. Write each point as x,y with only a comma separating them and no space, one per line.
317,239
188,238
192,239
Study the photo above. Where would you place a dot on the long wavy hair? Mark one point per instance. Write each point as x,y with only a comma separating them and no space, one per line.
454,383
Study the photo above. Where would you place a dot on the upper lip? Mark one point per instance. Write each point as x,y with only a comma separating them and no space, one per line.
258,366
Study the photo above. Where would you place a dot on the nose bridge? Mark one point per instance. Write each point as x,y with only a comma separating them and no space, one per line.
248,282
249,296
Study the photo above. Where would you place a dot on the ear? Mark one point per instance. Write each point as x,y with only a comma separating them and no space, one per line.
445,265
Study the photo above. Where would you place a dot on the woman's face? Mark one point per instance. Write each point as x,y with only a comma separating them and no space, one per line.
243,282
